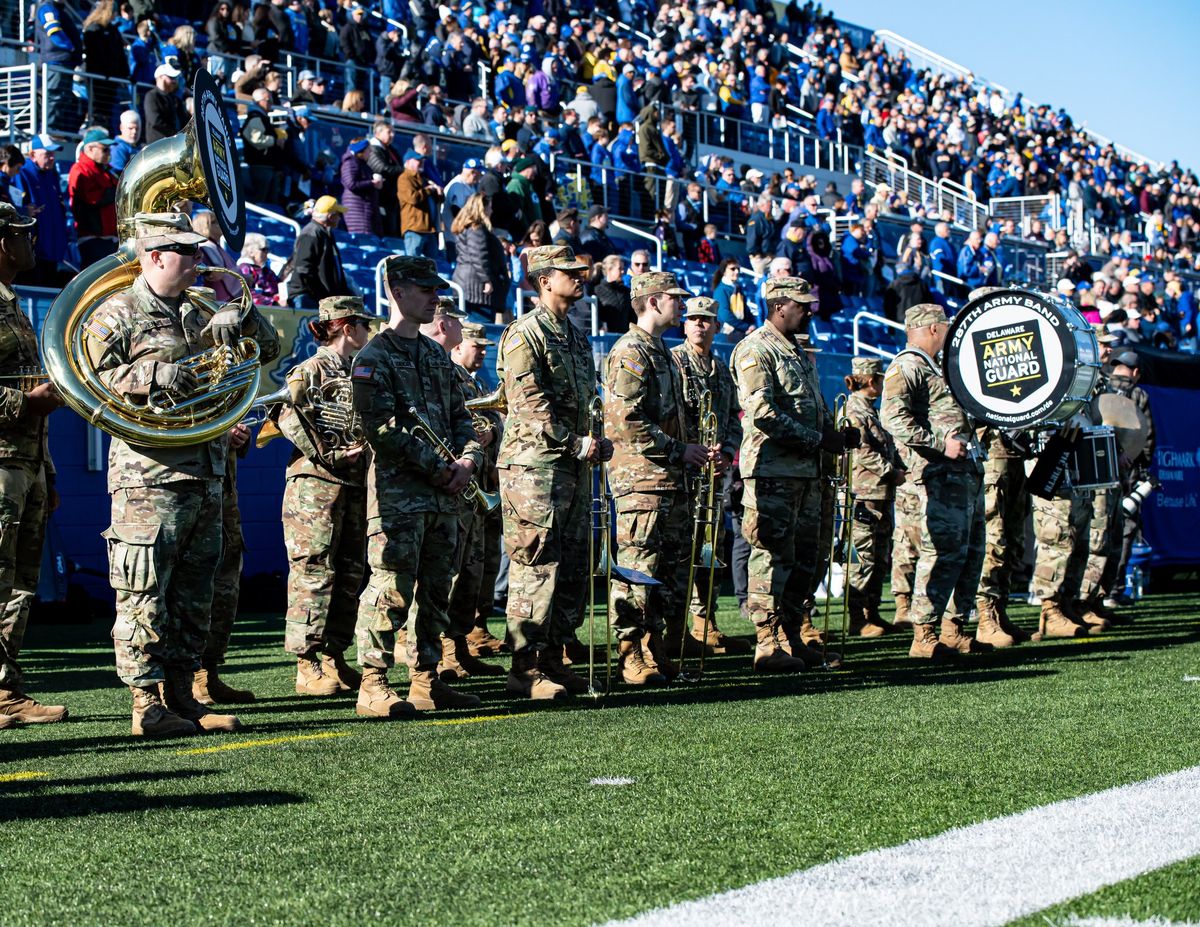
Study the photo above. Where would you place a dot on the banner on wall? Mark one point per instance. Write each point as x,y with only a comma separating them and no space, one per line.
1171,515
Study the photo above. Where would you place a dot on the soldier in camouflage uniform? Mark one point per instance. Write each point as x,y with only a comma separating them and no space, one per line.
906,545
458,662
873,477
1123,381
412,494
785,427
1006,507
645,418
324,506
164,544
546,452
702,371
27,493
933,436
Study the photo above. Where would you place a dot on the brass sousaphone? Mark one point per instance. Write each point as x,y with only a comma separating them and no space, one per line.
200,164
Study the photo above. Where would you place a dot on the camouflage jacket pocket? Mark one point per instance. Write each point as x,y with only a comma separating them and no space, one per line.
133,557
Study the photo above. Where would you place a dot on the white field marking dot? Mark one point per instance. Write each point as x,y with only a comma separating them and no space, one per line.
612,780
1191,678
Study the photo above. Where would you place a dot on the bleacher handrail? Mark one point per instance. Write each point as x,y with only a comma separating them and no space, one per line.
274,216
915,51
861,346
640,233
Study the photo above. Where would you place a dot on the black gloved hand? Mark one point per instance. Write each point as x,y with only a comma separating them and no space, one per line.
832,440
852,436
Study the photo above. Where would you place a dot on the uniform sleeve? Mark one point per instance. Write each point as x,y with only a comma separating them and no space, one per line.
376,401
756,393
526,393
896,412
462,425
12,405
626,418
259,327
732,432
108,341
873,454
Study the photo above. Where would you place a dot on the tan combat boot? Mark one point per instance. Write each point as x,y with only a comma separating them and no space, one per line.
675,640
377,698
633,666
526,680
1097,605
1011,628
874,617
655,653
334,666
926,645
575,652
151,719
717,641
769,655
208,688
483,643
20,707
6,722
989,629
428,693
1054,622
177,696
549,661
861,624
312,680
903,604
471,663
1096,624
952,636
809,632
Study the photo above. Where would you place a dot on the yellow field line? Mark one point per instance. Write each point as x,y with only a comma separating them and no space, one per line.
22,776
474,720
247,744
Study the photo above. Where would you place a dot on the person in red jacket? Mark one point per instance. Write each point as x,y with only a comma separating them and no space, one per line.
92,188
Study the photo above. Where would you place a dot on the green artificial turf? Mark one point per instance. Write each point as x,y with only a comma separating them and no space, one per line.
736,778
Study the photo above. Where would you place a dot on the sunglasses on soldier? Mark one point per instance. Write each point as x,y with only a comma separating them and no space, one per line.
175,248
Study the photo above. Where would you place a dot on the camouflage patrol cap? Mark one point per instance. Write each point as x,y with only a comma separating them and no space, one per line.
1103,335
923,314
474,333
654,282
980,291
447,307
154,229
421,271
551,257
701,307
866,366
11,219
796,288
341,307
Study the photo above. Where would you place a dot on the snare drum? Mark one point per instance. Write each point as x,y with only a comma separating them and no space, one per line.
1093,462
1017,359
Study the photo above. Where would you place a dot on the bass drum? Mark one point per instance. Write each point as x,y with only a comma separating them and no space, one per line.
1017,359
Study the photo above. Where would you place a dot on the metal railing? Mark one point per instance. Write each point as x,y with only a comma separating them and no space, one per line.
639,233
861,346
939,196
1024,209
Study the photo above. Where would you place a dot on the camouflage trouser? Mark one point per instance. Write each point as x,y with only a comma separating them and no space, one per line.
781,521
906,538
228,582
952,542
468,566
325,530
871,542
653,536
824,537
418,545
1005,507
1104,545
164,547
1061,529
22,532
547,516
493,539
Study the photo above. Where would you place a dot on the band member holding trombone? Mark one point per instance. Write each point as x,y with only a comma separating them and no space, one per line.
27,493
704,373
785,427
324,504
644,416
424,456
549,379
164,544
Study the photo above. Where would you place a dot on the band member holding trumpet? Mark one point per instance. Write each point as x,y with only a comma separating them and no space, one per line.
704,373
644,416
549,378
785,428
164,544
27,493
424,456
325,503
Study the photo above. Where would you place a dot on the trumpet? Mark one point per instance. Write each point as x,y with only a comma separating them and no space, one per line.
839,535
26,378
495,401
484,501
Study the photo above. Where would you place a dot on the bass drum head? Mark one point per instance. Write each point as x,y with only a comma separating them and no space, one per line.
1016,359
219,159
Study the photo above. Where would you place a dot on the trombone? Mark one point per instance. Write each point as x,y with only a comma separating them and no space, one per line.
705,532
484,501
839,535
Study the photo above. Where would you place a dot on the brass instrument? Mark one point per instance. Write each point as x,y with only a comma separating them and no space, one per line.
484,501
164,175
26,378
257,413
839,535
495,401
705,530
601,519
338,425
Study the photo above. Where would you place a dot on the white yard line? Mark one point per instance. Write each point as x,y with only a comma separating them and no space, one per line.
984,874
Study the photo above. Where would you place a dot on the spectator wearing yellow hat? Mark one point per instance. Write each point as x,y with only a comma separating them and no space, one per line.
317,269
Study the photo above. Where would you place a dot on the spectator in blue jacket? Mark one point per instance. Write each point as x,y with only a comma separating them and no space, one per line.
855,261
127,142
602,166
42,192
827,125
145,53
627,98
970,261
1179,303
760,94
991,260
60,45
733,312
628,162
510,85
941,255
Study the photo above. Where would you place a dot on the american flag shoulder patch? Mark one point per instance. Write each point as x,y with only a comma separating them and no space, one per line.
633,366
747,362
97,329
516,340
363,372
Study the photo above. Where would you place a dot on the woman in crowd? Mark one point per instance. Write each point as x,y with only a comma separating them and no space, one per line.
482,268
403,101
360,190
733,313
254,266
104,54
224,39
612,296
537,235
181,52
224,286
822,275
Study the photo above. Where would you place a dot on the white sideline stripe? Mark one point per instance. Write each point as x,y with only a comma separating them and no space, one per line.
1124,922
984,874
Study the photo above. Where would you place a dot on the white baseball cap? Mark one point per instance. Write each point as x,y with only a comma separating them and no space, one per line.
165,70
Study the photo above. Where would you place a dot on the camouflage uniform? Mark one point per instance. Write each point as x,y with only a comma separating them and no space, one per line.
1104,545
644,418
1006,506
1139,468
228,581
26,473
906,538
164,544
920,414
785,417
549,380
324,518
1061,528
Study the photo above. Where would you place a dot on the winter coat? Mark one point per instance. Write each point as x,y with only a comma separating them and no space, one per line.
359,196
481,259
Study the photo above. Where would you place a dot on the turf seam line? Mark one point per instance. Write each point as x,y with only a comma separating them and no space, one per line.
270,742
474,719
22,776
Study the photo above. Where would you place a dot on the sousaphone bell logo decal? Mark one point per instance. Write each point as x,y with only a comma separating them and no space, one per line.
1011,360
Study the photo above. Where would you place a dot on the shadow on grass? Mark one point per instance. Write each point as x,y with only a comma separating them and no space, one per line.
89,782
44,807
